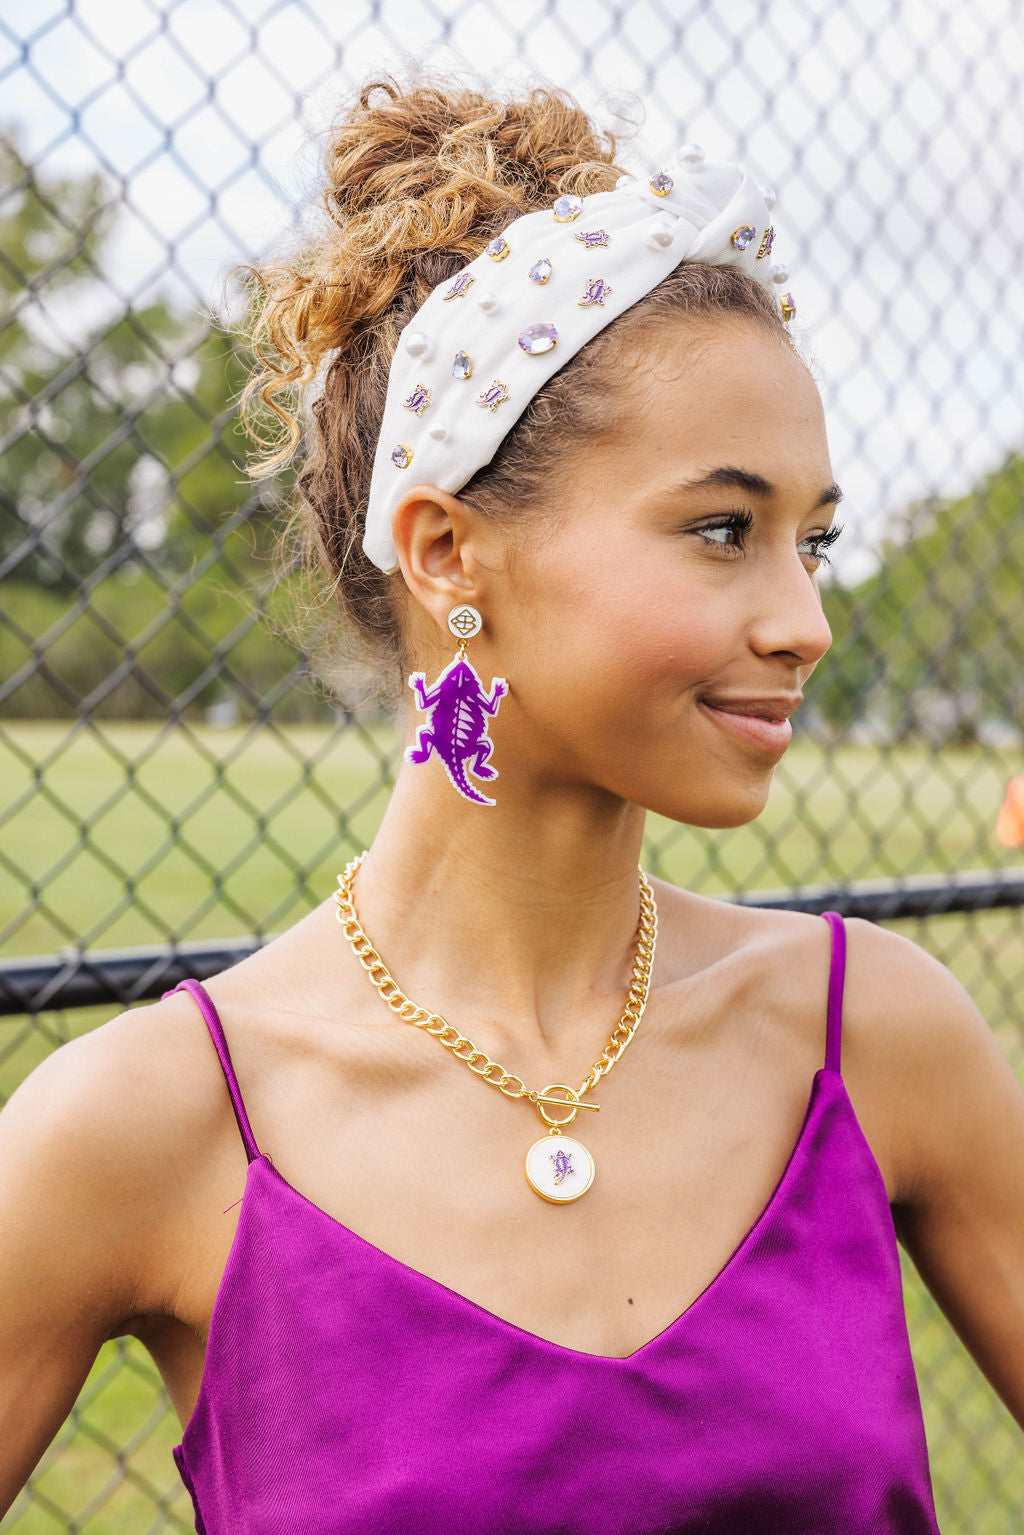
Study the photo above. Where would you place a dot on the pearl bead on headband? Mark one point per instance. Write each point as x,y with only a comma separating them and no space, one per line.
477,351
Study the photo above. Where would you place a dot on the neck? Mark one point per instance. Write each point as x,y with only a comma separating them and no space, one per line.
517,921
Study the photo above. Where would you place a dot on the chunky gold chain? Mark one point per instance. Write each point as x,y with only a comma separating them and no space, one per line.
464,1049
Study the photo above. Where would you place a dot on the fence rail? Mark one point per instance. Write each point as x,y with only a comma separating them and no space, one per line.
122,977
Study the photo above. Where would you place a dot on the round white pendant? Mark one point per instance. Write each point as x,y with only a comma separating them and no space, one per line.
559,1168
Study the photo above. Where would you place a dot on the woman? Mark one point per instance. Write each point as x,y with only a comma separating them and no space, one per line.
598,580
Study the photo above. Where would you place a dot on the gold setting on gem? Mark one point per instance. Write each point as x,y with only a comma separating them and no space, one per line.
566,208
401,456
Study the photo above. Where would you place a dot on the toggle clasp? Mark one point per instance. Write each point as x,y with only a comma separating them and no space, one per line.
570,1101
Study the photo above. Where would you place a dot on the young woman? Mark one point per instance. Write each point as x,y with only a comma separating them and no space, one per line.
623,1256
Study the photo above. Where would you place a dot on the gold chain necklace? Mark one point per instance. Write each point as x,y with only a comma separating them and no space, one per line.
548,1170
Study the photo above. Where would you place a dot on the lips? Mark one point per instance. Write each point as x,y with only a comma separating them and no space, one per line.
778,706
769,733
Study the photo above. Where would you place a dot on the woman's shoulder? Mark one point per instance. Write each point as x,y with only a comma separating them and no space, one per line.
915,1050
97,1139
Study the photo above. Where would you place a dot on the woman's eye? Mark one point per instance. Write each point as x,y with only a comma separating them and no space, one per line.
729,532
823,541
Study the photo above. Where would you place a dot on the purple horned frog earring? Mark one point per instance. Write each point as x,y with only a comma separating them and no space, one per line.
459,710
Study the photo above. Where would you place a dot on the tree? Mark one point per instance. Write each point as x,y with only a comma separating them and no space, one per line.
941,615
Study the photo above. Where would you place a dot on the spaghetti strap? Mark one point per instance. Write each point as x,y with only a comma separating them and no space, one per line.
204,1001
836,976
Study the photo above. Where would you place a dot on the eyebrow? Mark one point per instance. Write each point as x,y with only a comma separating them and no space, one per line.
754,485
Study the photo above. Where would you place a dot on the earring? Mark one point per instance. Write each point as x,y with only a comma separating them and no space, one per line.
459,710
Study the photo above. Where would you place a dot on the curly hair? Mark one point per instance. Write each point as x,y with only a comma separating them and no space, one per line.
417,180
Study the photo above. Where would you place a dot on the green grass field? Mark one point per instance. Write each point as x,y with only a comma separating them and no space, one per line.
136,835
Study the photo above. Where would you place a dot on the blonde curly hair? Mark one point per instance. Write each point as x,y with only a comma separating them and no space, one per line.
417,180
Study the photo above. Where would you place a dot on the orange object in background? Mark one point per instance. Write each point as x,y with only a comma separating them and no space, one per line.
1010,820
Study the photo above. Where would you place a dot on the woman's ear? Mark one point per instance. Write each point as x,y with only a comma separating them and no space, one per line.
444,549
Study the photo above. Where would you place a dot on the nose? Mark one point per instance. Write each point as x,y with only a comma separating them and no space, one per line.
788,616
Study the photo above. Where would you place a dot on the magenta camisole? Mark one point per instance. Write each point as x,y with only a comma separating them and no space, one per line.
344,1393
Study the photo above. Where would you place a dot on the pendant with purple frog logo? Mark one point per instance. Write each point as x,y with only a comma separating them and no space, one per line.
559,1168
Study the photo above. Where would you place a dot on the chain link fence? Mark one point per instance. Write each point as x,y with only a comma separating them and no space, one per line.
175,784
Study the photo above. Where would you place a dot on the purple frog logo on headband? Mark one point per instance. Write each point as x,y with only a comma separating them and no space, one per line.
457,732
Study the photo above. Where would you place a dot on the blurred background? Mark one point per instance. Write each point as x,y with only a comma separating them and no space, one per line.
175,783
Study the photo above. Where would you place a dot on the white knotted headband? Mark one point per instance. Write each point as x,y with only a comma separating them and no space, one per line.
477,351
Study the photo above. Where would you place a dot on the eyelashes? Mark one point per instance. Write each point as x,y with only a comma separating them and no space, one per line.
825,541
741,521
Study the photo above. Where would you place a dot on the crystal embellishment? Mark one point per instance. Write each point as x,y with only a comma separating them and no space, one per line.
462,365
418,400
541,270
766,244
538,338
592,237
596,291
401,456
567,208
743,236
493,396
460,286
788,305
661,183
498,249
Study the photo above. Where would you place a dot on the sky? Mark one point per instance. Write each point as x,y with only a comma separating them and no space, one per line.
890,130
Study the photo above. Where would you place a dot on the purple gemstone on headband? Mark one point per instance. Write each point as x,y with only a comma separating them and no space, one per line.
567,208
743,236
787,304
541,270
592,237
498,249
462,365
661,183
401,456
596,291
538,338
460,286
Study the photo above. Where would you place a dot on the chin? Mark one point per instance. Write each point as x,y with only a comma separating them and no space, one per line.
717,812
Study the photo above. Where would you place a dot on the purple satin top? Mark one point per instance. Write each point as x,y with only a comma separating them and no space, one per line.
345,1393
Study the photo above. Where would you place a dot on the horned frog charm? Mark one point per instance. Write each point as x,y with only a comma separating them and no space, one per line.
459,711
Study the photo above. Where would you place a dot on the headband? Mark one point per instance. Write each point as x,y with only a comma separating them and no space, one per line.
483,343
